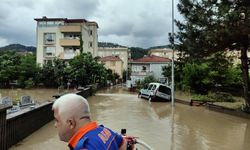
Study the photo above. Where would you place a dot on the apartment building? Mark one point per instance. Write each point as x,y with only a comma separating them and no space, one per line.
61,37
163,52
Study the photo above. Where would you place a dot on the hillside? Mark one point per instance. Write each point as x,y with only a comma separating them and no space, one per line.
136,52
18,48
108,44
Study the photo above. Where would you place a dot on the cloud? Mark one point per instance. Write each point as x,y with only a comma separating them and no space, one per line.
131,22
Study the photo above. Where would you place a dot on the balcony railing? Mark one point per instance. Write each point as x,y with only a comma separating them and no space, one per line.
70,28
69,42
141,73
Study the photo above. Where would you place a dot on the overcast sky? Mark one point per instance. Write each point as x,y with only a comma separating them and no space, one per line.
142,23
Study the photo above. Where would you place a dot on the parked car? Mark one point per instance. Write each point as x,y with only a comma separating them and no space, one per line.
156,91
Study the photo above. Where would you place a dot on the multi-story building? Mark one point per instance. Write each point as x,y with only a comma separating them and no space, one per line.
164,52
62,37
123,53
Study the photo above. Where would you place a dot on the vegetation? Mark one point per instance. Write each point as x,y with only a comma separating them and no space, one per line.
18,48
144,83
80,71
215,97
137,52
208,30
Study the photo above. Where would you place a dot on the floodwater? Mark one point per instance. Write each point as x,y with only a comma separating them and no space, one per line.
38,95
158,124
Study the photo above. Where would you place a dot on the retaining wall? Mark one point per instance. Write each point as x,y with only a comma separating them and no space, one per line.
17,126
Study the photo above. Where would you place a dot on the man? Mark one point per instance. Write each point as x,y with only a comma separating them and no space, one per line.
73,121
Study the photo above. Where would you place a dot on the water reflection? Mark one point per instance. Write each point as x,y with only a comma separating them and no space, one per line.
162,127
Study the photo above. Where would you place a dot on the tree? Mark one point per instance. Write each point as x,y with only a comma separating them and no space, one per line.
81,44
86,70
9,70
211,26
28,70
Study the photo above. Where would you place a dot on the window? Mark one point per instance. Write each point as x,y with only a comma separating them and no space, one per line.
90,32
144,68
49,51
49,38
90,44
153,88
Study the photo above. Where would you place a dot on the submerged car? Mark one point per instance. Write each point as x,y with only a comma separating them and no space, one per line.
156,92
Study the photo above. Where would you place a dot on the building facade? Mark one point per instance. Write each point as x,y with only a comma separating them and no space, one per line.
123,53
148,66
114,63
164,52
62,37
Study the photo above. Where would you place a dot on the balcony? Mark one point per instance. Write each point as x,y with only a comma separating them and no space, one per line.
71,29
141,73
69,42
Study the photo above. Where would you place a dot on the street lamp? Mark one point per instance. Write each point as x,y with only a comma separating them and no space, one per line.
172,81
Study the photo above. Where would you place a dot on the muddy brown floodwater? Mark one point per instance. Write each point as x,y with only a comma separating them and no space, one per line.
158,124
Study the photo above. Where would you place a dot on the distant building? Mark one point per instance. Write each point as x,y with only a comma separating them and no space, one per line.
123,53
60,37
114,63
146,66
164,52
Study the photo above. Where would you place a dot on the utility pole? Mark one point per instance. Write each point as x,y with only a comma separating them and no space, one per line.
172,81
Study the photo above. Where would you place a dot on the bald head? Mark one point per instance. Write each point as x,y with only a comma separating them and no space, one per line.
71,105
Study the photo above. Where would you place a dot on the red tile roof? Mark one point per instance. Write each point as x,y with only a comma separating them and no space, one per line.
152,58
110,58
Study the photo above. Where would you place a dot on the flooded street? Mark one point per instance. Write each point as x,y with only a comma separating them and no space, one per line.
163,128
39,95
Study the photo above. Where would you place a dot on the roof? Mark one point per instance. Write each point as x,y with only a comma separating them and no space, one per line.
152,59
111,58
44,18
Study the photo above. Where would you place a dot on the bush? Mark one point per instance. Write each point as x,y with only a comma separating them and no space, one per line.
29,83
201,97
144,83
222,97
216,97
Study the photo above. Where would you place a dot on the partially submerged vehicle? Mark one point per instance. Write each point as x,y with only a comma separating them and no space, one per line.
156,92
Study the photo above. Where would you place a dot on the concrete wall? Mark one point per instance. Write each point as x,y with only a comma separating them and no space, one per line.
17,126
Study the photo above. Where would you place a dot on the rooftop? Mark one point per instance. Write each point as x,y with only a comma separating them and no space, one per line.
154,59
110,58
66,20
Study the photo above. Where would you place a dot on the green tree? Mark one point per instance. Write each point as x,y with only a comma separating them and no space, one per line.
81,43
47,75
28,69
211,26
86,70
9,70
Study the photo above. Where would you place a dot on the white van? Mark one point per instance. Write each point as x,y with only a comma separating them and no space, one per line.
156,91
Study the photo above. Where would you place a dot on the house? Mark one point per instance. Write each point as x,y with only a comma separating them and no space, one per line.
146,66
163,52
122,53
62,37
114,63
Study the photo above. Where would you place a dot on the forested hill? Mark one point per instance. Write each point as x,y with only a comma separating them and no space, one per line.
108,44
136,52
18,48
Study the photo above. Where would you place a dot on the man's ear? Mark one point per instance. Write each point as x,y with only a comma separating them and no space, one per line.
72,123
